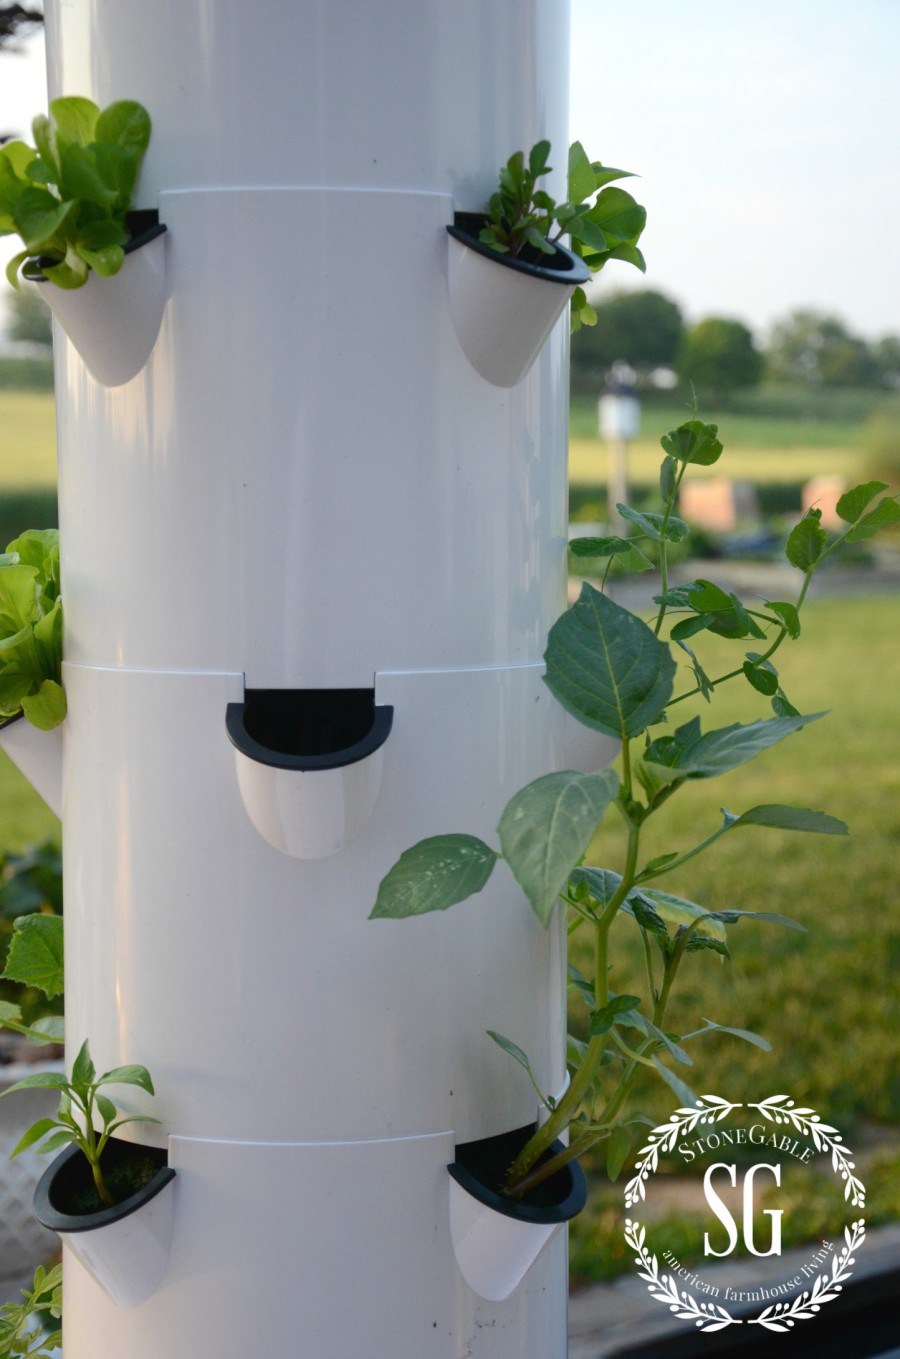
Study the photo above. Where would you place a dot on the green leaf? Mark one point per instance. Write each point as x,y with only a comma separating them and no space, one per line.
432,875
582,180
18,600
106,1109
602,1020
746,1034
886,513
681,913
852,503
704,683
126,123
668,473
509,1046
767,917
655,525
47,708
133,1074
546,828
693,442
75,118
682,1090
788,613
618,216
702,756
34,1134
40,1080
626,553
761,674
617,1149
807,541
83,1070
788,818
36,954
606,667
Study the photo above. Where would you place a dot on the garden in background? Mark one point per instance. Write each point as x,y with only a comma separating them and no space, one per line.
826,999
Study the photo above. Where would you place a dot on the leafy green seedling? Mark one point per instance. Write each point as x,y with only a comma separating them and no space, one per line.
31,625
81,1105
68,196
617,673
525,220
23,1333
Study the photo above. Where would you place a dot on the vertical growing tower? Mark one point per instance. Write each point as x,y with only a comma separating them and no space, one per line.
306,510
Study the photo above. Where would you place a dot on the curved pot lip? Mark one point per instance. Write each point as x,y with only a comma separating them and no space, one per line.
374,738
567,268
568,1204
148,231
8,721
87,1222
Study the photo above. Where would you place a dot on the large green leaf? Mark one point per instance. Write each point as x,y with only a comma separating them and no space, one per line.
18,600
75,118
788,818
546,828
47,708
126,123
607,668
36,954
696,755
432,875
852,503
807,541
693,442
885,513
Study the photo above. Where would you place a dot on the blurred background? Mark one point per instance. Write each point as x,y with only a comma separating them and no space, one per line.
765,142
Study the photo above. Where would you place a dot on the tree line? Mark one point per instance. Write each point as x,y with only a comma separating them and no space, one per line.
719,355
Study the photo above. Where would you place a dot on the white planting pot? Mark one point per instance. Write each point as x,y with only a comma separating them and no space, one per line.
113,322
38,754
305,803
125,1248
496,1240
503,308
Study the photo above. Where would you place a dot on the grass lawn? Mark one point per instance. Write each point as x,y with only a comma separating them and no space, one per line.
27,441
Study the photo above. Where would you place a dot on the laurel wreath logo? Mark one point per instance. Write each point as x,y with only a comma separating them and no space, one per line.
778,1316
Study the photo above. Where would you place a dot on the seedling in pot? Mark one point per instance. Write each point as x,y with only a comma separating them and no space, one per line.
523,220
69,195
81,1106
617,674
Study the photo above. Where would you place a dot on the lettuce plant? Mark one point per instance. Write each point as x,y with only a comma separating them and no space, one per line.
523,219
31,630
68,196
616,673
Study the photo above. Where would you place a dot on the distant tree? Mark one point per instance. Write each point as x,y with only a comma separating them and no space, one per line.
812,347
29,317
14,19
886,354
644,328
719,356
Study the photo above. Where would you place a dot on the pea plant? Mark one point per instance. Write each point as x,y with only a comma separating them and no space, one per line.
69,195
617,674
523,219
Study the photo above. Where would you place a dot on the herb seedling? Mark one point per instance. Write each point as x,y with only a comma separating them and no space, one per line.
31,630
68,196
81,1104
616,673
523,219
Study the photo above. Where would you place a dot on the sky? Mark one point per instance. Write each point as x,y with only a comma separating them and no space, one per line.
765,135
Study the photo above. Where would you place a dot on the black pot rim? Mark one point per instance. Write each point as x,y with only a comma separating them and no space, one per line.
569,1201
567,268
87,1222
8,721
374,738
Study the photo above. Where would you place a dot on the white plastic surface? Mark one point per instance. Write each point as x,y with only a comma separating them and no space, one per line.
502,315
493,1251
129,1258
353,1237
361,501
113,322
39,755
309,814
157,843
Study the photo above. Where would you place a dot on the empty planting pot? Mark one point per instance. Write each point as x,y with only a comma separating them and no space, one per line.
309,764
125,1248
495,1238
504,307
113,322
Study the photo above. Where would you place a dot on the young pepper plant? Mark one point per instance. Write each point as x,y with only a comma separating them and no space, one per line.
22,1324
521,217
616,673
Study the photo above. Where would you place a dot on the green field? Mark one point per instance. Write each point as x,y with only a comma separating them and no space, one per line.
27,441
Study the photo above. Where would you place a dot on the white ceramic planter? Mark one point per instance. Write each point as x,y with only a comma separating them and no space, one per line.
496,1240
126,1248
309,765
38,754
503,309
113,322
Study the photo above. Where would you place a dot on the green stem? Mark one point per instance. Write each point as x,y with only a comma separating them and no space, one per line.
664,546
